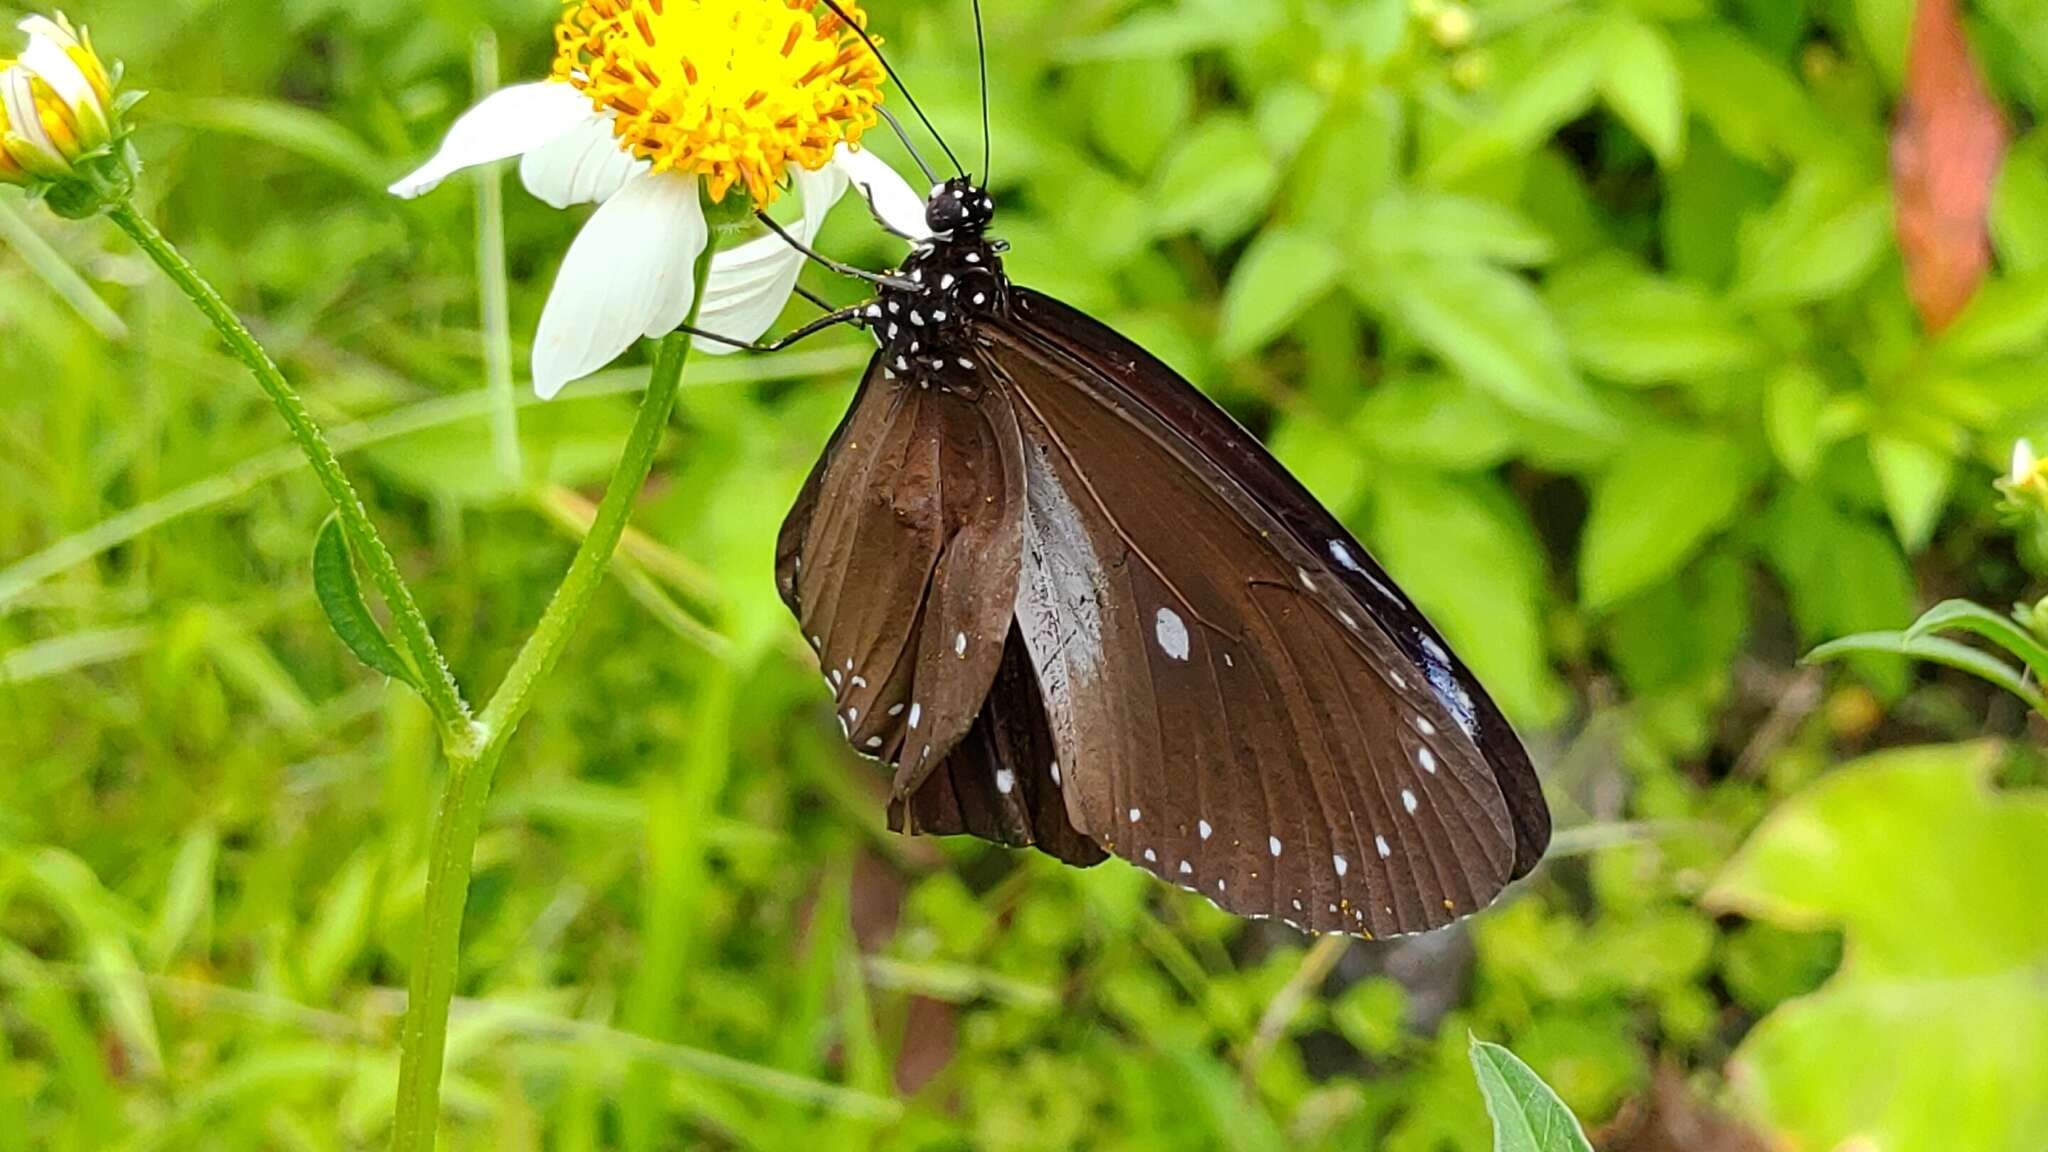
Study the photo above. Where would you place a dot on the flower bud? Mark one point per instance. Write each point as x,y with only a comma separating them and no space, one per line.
60,119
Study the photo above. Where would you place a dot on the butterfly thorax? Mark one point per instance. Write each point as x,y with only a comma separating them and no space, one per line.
925,321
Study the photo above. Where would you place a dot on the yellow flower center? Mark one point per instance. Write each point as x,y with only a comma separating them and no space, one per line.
734,91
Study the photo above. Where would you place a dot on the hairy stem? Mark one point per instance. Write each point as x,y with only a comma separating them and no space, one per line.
443,695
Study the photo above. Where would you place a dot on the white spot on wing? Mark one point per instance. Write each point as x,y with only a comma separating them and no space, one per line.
1342,866
916,711
1186,869
1408,801
1134,815
1380,842
960,644
1055,773
1151,857
1202,826
1173,634
1273,843
1427,759
1342,555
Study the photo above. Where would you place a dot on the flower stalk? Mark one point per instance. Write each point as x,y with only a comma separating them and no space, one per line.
423,1037
443,695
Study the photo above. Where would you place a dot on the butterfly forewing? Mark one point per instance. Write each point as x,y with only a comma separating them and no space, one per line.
1236,700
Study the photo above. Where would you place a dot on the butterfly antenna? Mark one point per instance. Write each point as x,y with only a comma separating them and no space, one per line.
898,80
930,176
981,51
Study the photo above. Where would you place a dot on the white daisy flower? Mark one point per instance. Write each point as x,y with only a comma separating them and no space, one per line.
653,105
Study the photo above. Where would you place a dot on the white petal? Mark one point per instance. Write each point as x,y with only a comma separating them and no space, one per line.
509,122
46,57
2022,460
586,165
628,275
894,200
752,283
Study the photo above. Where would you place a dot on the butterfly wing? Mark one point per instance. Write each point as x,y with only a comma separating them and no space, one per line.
1241,700
900,561
1003,783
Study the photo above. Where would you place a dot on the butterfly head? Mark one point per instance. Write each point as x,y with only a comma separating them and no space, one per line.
958,206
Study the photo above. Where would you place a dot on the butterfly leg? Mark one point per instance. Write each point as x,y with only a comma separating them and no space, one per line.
830,264
855,316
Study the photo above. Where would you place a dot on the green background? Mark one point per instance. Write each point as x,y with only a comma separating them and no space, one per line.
1585,314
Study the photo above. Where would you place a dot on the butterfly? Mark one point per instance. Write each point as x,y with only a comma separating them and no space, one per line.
1075,606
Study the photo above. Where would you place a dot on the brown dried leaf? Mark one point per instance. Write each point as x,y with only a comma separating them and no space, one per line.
1947,146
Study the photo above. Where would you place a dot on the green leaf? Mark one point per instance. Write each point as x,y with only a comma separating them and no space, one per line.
1440,422
1282,274
1916,481
1464,549
1843,574
1558,89
1629,326
1217,182
1490,326
1754,104
1440,224
1822,238
1795,403
2006,317
2019,213
1934,650
1527,1115
1643,86
341,597
1933,1034
1965,616
1664,497
1887,27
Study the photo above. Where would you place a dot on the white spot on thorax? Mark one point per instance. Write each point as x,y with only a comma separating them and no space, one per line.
1173,634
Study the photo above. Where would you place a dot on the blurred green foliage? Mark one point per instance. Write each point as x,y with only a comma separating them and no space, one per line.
1585,313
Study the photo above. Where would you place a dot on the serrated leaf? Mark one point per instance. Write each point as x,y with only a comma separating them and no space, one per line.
1282,274
1642,84
341,598
1916,481
1934,650
1527,1114
1965,616
1493,329
1664,497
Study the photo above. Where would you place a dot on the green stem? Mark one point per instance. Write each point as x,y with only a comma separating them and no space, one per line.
442,693
423,1038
